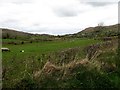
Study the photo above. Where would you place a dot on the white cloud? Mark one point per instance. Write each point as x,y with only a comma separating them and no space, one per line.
55,16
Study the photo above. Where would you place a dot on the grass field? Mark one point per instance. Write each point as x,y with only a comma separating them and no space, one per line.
44,47
35,55
63,63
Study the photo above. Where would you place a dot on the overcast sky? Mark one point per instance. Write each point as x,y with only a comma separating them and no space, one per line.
56,16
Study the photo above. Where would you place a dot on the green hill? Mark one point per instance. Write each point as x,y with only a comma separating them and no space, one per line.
99,31
90,32
13,36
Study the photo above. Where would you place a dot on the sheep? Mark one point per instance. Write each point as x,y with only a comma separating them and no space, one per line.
5,49
22,51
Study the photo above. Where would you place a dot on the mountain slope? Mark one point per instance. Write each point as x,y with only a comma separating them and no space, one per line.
13,34
90,32
99,31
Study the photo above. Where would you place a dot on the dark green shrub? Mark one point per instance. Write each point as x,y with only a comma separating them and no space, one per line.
26,83
22,42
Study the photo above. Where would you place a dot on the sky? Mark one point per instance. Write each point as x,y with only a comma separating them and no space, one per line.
57,17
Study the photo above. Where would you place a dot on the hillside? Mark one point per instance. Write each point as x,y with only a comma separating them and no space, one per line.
17,36
8,33
98,31
90,32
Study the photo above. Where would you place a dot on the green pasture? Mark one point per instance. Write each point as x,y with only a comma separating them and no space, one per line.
14,62
43,47
19,66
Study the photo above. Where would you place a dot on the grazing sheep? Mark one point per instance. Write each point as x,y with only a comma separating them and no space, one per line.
22,51
5,49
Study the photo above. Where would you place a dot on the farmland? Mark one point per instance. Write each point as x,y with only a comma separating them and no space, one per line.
17,60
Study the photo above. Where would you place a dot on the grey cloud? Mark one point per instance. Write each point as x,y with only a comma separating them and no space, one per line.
10,23
36,29
66,12
98,1
54,30
99,4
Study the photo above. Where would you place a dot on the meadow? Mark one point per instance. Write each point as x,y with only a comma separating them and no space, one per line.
39,48
63,63
35,55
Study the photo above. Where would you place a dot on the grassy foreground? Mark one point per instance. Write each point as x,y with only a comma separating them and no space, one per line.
72,63
35,56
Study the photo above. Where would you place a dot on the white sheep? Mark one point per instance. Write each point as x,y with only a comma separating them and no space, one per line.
5,49
22,51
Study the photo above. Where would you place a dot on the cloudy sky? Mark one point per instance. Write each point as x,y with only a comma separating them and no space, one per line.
56,16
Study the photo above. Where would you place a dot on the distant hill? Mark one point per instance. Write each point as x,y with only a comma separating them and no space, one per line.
98,31
90,32
24,36
13,34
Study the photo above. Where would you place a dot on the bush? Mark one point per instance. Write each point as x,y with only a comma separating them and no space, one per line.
22,42
26,83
